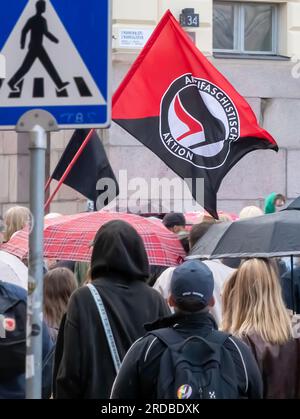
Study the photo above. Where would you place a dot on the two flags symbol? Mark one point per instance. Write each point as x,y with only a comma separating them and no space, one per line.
178,105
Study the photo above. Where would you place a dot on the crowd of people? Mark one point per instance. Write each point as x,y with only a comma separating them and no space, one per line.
120,328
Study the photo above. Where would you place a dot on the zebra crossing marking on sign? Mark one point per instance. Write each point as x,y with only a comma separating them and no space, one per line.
49,66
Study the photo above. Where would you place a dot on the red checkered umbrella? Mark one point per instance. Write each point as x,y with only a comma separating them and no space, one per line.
69,238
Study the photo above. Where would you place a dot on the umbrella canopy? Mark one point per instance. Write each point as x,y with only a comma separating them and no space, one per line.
195,217
12,270
294,205
70,237
270,235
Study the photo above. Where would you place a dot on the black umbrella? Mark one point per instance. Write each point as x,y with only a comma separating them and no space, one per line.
294,205
271,235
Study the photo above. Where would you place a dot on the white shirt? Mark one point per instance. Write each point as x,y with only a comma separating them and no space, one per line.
220,273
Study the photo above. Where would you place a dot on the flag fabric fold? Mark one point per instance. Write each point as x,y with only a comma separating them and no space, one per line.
91,165
183,109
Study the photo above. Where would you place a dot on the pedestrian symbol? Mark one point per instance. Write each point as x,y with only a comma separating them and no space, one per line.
44,67
37,25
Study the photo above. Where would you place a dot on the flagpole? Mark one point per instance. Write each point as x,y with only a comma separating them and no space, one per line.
48,184
68,169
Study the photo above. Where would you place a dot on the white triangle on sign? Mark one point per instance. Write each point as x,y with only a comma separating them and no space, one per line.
65,58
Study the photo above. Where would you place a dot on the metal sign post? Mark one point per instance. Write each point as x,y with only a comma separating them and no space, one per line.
36,123
65,71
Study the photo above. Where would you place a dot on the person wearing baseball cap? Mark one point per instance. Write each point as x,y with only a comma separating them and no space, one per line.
192,287
191,295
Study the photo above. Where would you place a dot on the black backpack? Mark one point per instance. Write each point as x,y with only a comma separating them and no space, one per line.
196,367
12,333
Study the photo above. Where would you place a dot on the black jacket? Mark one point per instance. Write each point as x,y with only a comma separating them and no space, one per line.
12,379
119,263
287,284
138,375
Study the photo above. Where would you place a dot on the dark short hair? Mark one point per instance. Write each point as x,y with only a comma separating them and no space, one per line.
174,219
279,196
198,230
190,306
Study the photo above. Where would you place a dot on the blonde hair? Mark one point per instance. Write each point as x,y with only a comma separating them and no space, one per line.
224,218
252,303
251,211
15,219
88,277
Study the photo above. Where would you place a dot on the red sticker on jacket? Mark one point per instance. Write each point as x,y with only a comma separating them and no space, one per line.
9,324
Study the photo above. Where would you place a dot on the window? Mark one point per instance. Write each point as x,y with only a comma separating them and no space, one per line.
245,28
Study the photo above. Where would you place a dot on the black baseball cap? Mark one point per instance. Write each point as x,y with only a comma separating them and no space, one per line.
174,219
192,282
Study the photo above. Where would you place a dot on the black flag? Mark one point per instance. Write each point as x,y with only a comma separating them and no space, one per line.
91,166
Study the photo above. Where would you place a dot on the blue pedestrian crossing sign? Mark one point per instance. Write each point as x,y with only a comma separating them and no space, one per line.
58,55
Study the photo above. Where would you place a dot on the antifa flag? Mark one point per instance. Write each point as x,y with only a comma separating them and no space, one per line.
91,166
177,104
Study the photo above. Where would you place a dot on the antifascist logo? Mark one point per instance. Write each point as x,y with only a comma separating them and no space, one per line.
198,122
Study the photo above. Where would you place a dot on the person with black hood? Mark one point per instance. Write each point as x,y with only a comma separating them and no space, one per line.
119,269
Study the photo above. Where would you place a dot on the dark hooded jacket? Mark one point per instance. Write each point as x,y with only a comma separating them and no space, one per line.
291,289
12,379
119,271
138,376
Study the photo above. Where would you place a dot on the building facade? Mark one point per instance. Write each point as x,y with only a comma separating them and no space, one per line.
256,45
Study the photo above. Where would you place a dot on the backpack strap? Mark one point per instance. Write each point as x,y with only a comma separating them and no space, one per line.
243,363
220,338
168,335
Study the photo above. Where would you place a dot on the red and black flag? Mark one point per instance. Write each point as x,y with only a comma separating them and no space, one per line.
178,105
91,166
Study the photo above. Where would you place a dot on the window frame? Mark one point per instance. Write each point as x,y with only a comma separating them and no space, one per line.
239,29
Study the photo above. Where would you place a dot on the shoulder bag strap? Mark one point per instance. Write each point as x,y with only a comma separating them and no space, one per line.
106,326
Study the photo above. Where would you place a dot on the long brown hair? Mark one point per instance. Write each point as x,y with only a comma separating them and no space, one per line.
59,283
252,303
